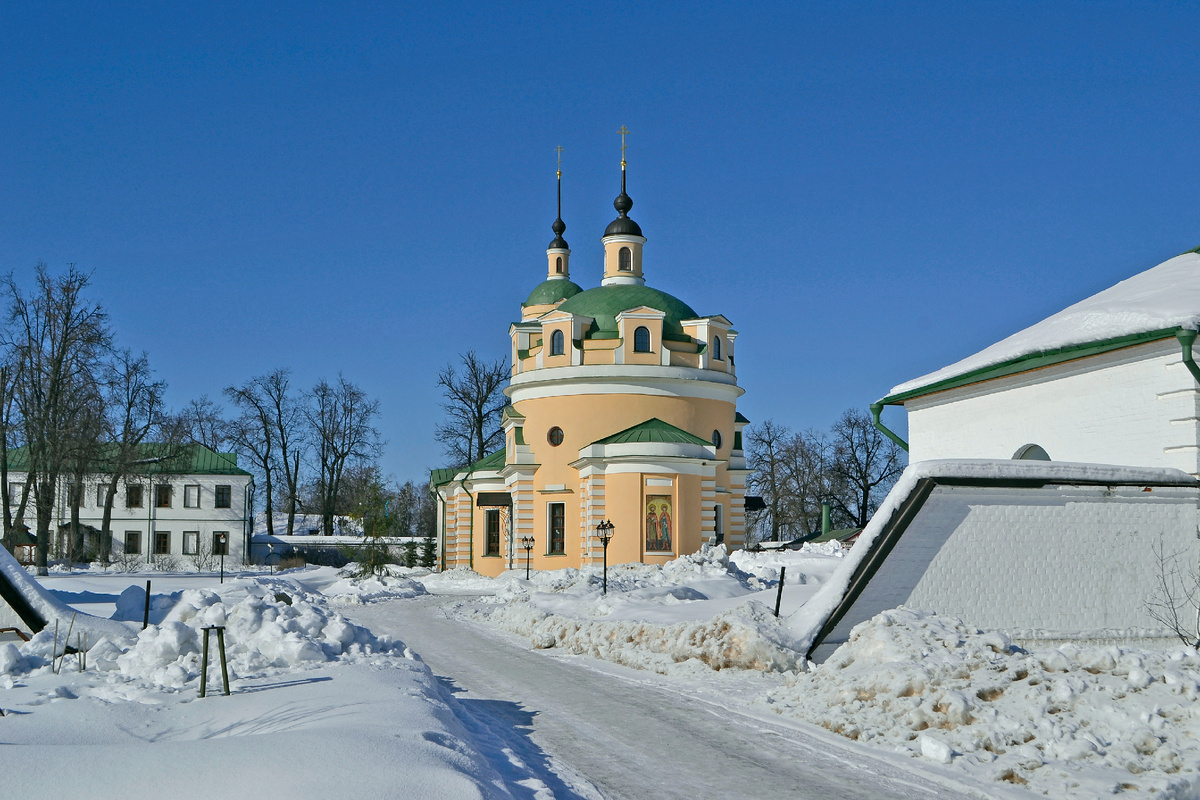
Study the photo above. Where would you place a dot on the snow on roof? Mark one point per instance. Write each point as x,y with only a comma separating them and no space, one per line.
1166,296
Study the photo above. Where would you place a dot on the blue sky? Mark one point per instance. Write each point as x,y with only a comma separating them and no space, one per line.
869,191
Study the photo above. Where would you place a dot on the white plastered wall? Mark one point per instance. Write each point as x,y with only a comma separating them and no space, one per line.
1137,406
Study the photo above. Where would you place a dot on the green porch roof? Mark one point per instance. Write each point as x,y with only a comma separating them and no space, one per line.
495,460
653,430
155,458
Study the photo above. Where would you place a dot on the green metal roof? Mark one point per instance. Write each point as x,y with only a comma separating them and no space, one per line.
495,460
155,458
603,303
737,417
838,534
653,430
551,291
1032,361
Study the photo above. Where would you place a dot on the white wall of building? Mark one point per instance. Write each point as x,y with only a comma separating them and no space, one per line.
1138,406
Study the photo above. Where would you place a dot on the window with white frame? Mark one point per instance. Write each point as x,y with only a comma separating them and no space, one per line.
191,543
556,541
191,496
641,340
557,345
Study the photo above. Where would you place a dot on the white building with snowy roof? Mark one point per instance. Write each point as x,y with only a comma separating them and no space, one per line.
1108,380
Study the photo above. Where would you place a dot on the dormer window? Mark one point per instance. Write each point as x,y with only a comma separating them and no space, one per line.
641,340
625,260
717,348
558,265
556,343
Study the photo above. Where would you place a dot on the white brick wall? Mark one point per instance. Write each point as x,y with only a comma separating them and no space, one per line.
1136,406
1073,562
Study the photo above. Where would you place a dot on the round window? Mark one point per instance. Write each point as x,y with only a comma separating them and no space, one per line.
555,436
716,439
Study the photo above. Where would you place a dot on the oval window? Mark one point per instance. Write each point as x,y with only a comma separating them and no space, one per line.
555,436
716,439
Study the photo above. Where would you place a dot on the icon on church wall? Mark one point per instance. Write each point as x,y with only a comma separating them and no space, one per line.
659,524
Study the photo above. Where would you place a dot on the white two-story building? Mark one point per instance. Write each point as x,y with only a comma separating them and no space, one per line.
195,503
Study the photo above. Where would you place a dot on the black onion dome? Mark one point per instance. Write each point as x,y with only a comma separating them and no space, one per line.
623,225
559,242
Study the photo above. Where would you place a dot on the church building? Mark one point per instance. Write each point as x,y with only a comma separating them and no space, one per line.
622,410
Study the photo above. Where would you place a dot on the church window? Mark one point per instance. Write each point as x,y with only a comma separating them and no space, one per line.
558,265
556,343
1031,452
716,439
717,348
491,526
641,340
558,536
718,524
555,436
625,260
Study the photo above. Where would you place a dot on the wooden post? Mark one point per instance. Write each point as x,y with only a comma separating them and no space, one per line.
779,597
224,668
204,665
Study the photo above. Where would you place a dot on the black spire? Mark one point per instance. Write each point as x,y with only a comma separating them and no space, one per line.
623,224
559,226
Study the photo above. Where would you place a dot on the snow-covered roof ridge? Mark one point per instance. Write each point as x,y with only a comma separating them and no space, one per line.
1166,296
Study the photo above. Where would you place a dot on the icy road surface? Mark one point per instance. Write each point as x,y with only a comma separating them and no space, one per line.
632,734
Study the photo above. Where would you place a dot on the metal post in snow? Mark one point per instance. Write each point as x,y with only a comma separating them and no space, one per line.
146,613
779,596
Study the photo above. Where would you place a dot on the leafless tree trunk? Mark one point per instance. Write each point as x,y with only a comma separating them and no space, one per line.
287,424
252,434
57,339
205,424
866,465
767,444
340,417
9,430
474,400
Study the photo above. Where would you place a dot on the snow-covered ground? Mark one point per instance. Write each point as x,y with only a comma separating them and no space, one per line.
918,689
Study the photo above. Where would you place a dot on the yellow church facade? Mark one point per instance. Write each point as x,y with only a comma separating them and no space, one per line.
622,409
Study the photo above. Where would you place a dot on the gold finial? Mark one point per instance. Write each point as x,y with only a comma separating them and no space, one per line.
624,132
560,152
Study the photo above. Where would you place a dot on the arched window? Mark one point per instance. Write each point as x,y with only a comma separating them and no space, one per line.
717,348
719,524
716,439
558,265
1031,452
556,343
641,340
625,260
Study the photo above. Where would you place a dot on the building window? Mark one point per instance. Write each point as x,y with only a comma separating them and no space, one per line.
558,265
133,495
133,542
101,494
558,537
625,260
220,543
555,436
716,439
223,496
191,543
191,497
162,543
75,495
719,524
641,340
491,531
556,343
162,495
14,492
717,348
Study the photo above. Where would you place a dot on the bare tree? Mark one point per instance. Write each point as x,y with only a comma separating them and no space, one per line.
9,438
866,465
286,413
134,403
57,337
204,423
766,456
474,401
1175,602
340,418
252,434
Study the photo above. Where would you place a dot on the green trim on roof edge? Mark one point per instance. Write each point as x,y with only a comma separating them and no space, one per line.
1030,362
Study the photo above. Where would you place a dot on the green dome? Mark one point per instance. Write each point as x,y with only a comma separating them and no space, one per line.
552,291
604,303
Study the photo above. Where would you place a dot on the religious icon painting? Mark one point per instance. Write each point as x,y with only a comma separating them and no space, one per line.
660,524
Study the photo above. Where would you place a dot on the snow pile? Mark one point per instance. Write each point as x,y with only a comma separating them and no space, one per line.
270,625
372,589
747,636
1093,719
1167,296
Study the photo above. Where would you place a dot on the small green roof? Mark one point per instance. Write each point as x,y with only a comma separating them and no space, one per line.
737,417
495,460
551,291
603,303
838,534
653,430
156,458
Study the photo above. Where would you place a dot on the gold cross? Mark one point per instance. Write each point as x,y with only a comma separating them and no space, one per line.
624,131
560,152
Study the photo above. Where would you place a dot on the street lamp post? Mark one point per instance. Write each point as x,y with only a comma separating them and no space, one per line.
527,546
224,538
605,533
